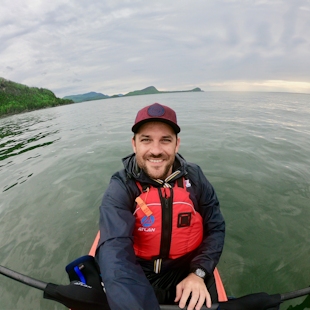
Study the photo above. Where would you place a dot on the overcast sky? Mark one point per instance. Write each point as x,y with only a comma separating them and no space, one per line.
110,46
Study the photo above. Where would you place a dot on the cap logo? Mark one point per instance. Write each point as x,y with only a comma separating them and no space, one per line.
156,110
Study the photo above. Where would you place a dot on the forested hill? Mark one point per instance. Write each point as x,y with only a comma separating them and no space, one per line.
17,98
87,97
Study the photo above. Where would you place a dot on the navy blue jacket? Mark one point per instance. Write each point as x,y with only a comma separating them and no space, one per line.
122,272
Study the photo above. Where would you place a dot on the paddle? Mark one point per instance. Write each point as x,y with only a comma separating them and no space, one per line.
79,296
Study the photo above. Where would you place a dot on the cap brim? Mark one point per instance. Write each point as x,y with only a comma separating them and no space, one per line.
135,127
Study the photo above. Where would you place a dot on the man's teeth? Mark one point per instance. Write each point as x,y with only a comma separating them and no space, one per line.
155,160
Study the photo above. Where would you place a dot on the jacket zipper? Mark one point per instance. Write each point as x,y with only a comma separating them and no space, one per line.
166,231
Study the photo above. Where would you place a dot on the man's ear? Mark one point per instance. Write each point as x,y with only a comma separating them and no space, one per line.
178,145
133,143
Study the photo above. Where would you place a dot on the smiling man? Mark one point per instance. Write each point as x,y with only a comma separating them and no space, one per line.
155,145
162,232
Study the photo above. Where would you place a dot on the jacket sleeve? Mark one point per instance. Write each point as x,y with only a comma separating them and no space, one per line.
210,250
125,283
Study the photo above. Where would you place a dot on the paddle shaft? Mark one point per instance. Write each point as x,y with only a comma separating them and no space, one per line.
295,294
22,278
42,285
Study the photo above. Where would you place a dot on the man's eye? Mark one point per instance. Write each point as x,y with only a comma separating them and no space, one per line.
145,140
167,140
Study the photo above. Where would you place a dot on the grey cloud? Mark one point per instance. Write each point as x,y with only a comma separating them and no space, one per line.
123,45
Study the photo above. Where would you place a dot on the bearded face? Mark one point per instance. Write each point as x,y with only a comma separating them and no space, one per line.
155,145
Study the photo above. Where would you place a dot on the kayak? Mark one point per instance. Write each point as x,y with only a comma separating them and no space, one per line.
78,296
219,284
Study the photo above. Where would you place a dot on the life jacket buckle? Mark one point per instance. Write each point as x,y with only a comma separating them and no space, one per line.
157,265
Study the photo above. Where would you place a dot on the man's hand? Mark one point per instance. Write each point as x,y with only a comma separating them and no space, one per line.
194,285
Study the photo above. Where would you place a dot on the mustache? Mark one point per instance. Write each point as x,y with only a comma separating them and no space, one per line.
152,156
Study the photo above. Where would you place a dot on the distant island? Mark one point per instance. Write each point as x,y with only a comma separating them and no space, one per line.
16,98
146,91
86,97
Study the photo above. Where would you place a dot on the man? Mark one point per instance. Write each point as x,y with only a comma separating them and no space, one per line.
162,232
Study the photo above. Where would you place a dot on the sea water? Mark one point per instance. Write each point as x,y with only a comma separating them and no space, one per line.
253,147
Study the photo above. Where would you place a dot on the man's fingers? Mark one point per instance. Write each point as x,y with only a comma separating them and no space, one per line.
178,293
184,298
197,300
194,299
208,300
200,302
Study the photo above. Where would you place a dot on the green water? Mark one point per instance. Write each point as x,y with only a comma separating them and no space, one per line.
254,148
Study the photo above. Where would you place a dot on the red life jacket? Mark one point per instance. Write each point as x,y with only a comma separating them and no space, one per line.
167,224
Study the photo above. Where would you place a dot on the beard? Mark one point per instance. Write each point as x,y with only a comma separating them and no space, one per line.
154,172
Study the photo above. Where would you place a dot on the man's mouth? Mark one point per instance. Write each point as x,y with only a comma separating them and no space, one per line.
156,160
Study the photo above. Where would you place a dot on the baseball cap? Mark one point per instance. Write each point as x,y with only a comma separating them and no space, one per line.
156,112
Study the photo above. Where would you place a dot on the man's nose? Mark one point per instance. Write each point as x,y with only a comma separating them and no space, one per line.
156,148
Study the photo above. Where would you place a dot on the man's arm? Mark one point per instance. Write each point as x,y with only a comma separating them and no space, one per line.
125,283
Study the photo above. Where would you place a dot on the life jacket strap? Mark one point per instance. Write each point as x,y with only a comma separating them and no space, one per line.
145,209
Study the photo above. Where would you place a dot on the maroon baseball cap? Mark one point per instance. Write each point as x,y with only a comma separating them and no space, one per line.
156,112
